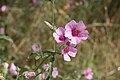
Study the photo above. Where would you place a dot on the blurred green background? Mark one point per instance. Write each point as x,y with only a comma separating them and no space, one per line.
24,23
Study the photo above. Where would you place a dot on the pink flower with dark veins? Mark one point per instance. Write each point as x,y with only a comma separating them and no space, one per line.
13,70
76,31
46,66
36,47
59,36
29,74
55,72
69,51
88,74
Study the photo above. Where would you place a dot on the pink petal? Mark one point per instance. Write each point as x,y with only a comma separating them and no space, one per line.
60,31
42,76
71,25
12,67
66,57
68,33
75,40
84,35
89,77
13,70
81,26
54,72
2,30
73,52
89,70
56,36
46,66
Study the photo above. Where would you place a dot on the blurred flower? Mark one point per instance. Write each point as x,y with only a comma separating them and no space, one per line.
46,66
5,70
69,51
88,74
34,1
13,70
76,31
48,24
5,65
36,47
42,76
70,4
79,3
29,74
2,30
59,36
55,72
4,8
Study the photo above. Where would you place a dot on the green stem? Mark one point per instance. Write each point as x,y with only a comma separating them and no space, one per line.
51,52
51,68
41,63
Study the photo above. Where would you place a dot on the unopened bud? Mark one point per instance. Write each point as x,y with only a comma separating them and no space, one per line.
48,24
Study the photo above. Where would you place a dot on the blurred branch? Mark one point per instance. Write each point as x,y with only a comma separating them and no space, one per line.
110,73
103,24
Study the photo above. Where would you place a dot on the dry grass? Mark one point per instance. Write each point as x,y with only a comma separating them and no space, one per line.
101,52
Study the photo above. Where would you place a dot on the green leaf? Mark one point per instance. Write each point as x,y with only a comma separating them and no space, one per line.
7,38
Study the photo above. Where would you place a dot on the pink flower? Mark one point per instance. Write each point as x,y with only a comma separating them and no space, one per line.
59,36
88,74
13,70
46,66
70,4
69,51
42,76
34,1
55,72
76,31
4,8
2,30
36,48
29,74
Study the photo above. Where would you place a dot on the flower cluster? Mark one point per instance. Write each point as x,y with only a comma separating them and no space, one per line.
71,36
12,69
30,74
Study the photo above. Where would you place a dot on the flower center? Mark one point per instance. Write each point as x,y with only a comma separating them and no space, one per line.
87,74
75,32
62,38
66,49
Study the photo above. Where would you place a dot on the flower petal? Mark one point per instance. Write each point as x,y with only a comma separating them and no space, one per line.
89,77
81,26
68,33
71,25
84,35
72,54
60,31
75,40
66,57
